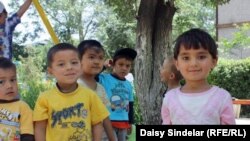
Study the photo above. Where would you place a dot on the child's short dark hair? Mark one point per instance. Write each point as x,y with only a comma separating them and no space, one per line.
196,38
7,64
59,47
127,53
89,44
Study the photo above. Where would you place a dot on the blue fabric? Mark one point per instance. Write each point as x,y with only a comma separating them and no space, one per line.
6,33
120,93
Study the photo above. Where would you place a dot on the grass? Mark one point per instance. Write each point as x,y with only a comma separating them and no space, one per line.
131,137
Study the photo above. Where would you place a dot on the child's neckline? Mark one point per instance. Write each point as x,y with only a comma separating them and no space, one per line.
83,81
209,87
66,91
115,76
2,101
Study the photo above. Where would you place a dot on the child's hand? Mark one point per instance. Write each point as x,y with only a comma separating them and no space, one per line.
129,130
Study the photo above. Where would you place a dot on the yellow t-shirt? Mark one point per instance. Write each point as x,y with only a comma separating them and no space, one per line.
70,115
15,119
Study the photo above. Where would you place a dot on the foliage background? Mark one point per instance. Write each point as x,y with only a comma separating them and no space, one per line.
234,76
114,24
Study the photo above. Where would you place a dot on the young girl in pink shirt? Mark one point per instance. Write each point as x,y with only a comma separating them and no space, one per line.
196,102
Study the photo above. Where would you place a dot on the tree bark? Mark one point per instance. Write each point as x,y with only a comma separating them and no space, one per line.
154,28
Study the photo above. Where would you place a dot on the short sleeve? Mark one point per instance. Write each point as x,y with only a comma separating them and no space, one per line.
13,21
227,113
41,109
26,120
165,114
98,110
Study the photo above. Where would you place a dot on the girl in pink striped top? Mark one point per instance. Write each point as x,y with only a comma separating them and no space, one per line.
196,102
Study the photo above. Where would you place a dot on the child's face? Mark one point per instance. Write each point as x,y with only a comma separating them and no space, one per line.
2,18
165,70
66,67
8,84
92,62
122,67
195,64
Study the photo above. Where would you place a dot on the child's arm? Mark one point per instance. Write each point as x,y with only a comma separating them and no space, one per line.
26,123
97,131
108,129
40,130
227,113
131,112
24,8
130,117
165,115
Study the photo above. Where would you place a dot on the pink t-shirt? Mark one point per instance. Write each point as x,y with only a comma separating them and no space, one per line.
213,106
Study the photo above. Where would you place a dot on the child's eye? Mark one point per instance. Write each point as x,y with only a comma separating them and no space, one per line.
185,58
101,58
75,62
1,81
127,66
13,80
91,57
61,64
202,57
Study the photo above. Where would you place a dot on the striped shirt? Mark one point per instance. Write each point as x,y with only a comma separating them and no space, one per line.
6,33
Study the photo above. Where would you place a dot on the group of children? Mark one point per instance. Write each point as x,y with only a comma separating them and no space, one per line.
85,102
73,111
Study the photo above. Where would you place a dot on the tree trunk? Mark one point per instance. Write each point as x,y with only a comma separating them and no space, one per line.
153,44
80,27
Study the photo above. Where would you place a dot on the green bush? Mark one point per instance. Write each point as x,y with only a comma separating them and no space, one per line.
31,74
31,89
137,112
234,76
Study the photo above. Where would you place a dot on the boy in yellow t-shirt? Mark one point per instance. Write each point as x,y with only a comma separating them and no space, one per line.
15,115
68,112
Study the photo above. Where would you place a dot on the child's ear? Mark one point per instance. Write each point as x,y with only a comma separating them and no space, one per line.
111,62
172,76
49,70
215,62
108,63
176,64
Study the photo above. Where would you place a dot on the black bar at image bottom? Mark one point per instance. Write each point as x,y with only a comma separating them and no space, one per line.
194,132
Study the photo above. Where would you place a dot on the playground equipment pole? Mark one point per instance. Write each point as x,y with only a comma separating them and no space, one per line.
46,21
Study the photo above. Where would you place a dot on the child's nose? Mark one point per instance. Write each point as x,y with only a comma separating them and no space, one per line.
8,85
193,62
69,66
97,61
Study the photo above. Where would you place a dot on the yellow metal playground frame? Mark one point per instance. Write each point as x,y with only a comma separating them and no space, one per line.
46,21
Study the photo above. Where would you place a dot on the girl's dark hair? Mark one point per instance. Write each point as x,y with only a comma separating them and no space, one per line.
59,47
6,64
196,38
89,44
